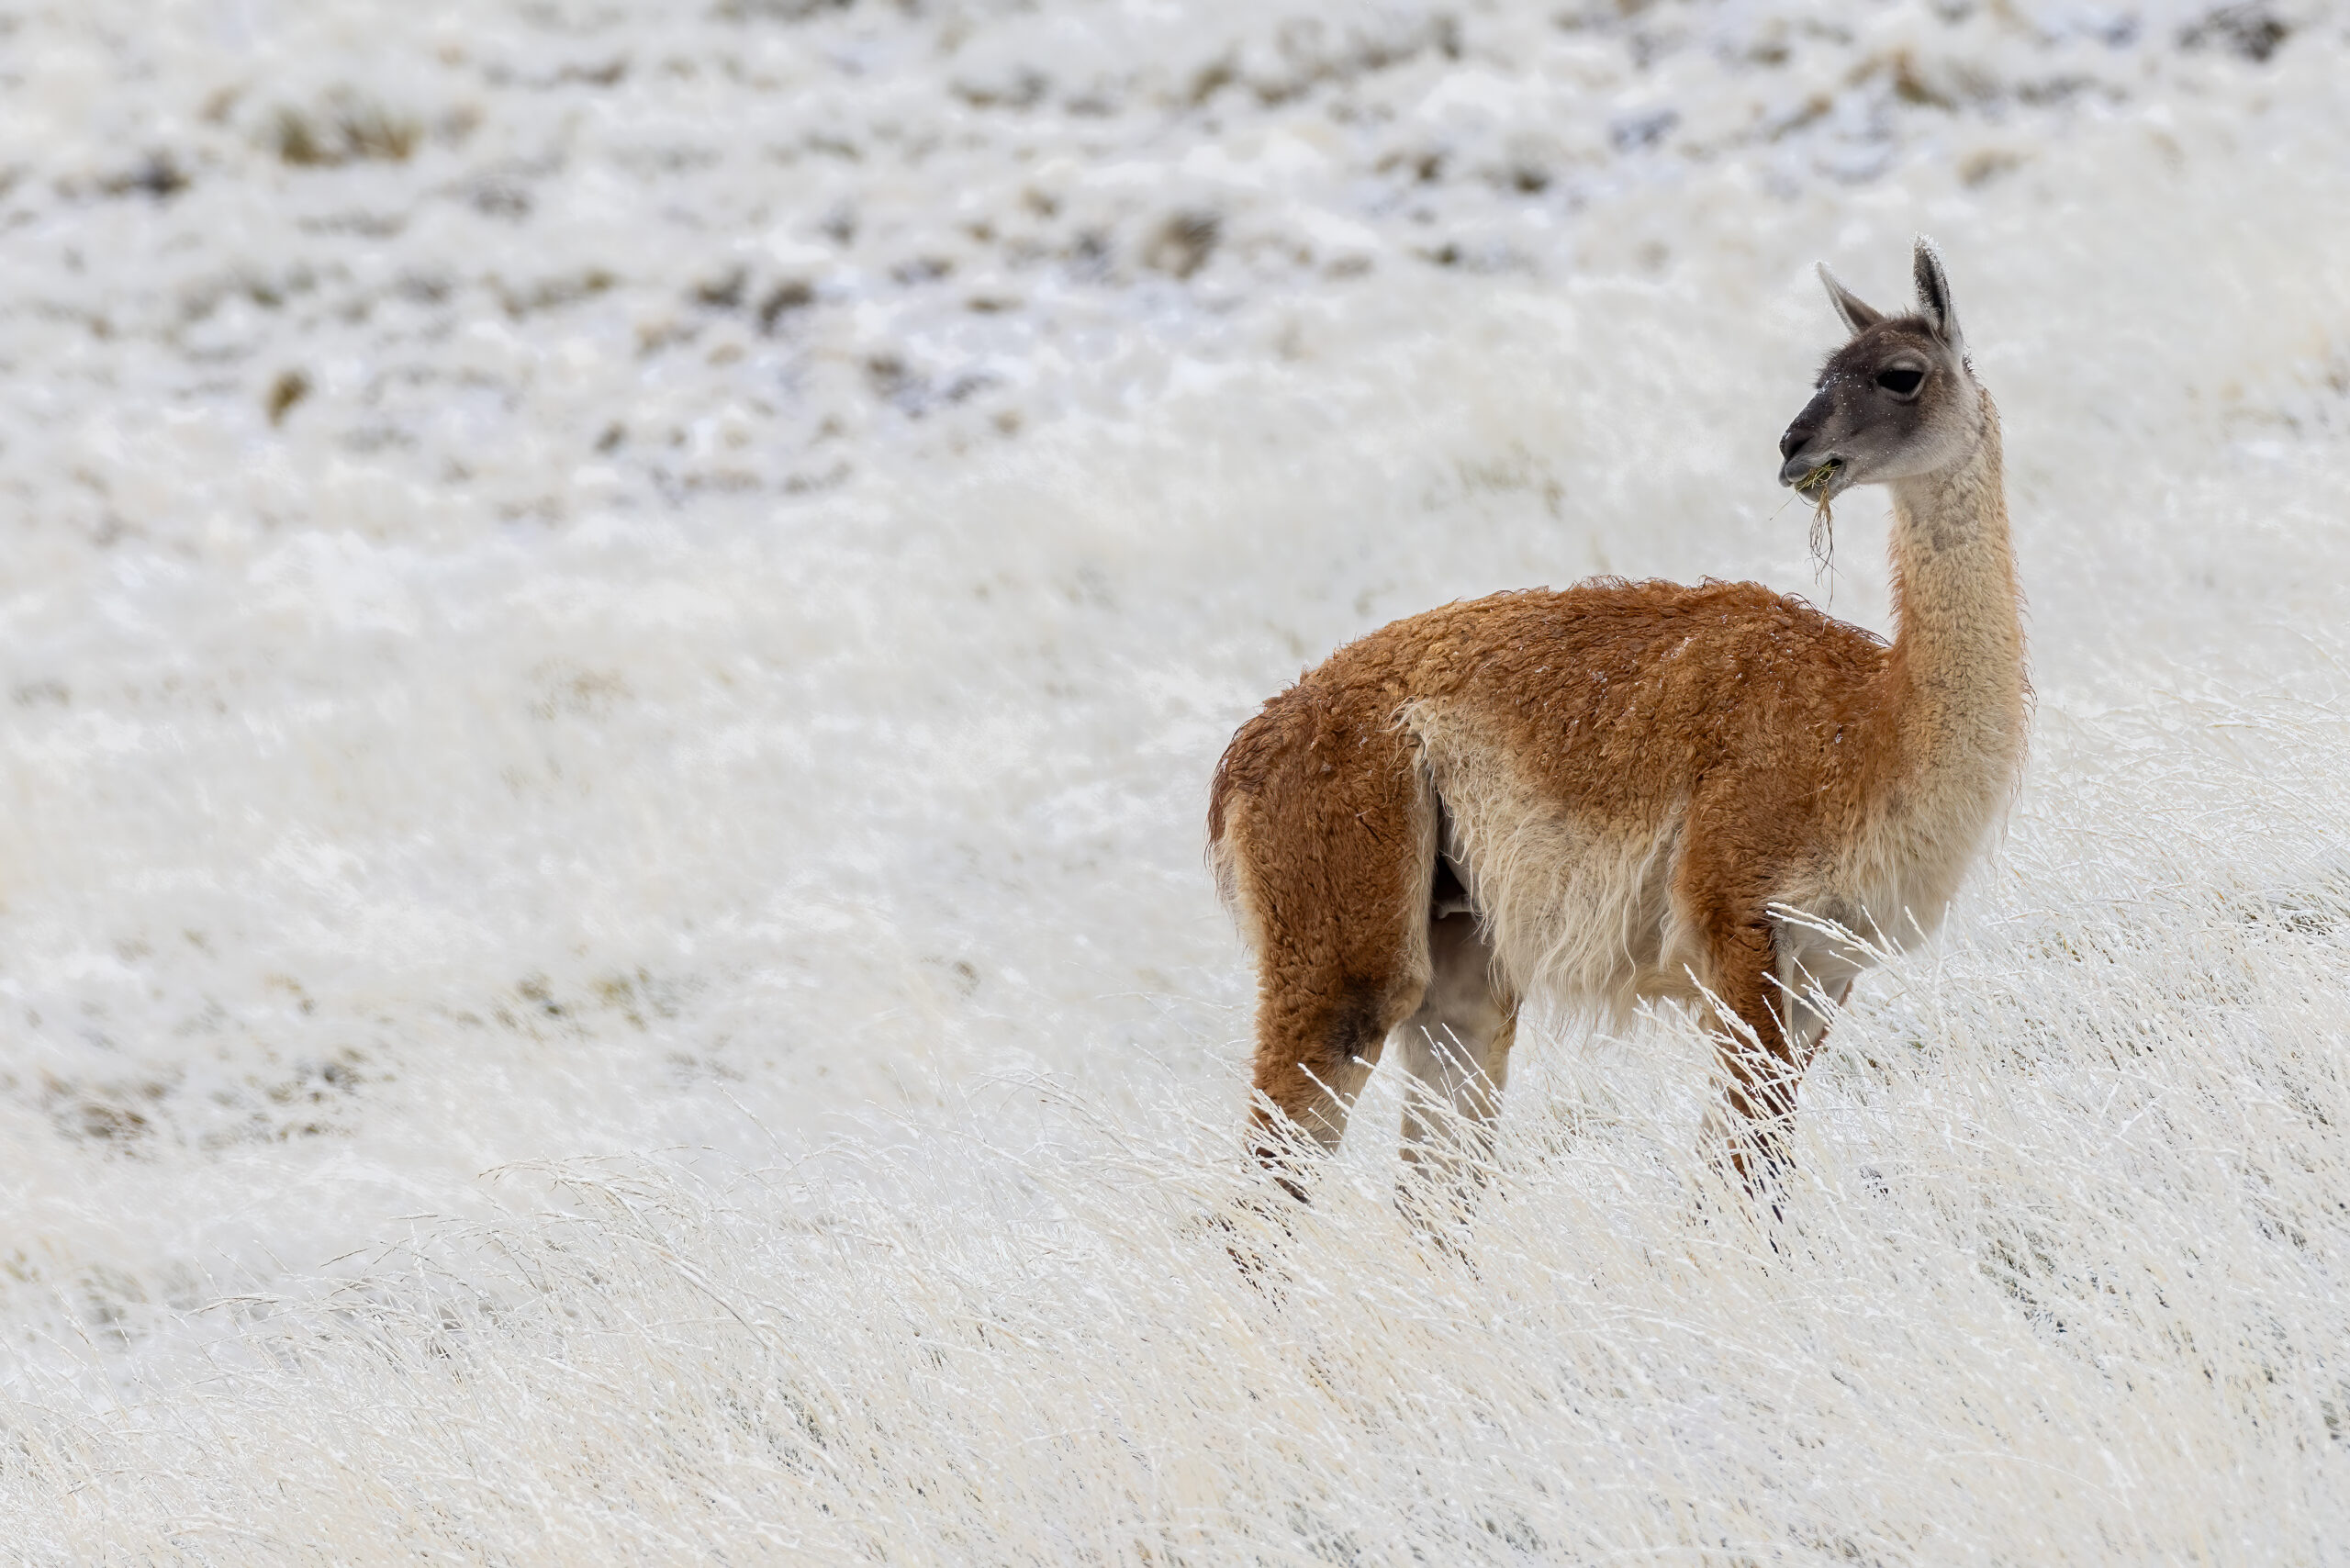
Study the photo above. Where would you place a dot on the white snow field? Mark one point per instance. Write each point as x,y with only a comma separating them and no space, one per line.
613,623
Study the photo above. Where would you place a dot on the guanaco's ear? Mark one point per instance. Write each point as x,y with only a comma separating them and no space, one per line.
1857,314
1933,295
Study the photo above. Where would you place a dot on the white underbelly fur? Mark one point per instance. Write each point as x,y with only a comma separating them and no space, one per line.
1577,909
1580,910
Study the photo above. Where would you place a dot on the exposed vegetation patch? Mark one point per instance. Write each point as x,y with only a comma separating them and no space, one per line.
118,1116
529,296
289,388
775,10
347,128
158,175
1181,244
786,298
2251,32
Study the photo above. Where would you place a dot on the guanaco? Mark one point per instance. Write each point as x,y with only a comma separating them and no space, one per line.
1639,790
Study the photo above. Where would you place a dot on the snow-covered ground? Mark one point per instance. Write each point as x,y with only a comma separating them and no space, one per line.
613,619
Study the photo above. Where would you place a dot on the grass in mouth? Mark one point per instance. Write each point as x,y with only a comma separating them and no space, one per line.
1813,488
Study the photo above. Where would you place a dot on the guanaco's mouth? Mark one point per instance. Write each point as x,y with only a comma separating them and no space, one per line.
1815,485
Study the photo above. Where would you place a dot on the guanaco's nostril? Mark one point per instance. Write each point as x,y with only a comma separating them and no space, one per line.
1792,442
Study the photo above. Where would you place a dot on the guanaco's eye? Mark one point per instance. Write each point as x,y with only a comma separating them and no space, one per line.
1900,383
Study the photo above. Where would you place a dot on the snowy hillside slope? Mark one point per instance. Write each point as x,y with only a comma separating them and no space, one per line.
660,585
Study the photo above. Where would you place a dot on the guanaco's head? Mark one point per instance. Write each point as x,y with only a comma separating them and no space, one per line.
1895,401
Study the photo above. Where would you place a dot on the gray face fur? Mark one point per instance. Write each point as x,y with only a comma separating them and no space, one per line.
1897,401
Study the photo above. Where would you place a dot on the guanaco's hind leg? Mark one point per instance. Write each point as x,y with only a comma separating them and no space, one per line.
1340,916
1313,1069
1456,1048
1332,982
1324,826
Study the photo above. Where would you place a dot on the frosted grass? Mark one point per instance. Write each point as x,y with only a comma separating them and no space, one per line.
2059,1281
766,838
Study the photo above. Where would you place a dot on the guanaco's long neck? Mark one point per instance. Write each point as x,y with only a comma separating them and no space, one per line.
1958,689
